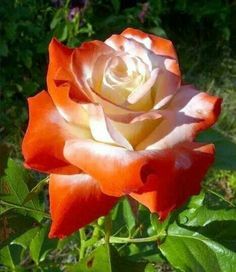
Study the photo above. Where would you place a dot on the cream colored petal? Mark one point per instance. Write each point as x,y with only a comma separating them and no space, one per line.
188,113
102,128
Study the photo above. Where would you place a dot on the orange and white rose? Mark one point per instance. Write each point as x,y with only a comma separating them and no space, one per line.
116,121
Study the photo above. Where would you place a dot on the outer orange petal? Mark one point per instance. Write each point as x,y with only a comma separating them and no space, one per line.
60,71
75,201
118,171
177,175
158,45
45,137
62,86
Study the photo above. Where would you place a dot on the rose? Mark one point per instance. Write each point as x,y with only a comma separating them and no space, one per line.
117,121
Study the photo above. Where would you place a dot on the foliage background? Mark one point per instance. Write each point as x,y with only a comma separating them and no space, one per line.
204,34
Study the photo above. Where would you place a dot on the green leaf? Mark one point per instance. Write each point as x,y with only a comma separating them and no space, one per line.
26,238
57,18
15,190
105,258
203,216
158,226
36,190
15,186
6,259
10,258
225,149
150,268
61,32
12,225
123,217
41,245
196,201
202,240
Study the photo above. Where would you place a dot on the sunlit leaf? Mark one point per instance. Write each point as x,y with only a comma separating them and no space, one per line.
41,245
25,239
202,240
6,259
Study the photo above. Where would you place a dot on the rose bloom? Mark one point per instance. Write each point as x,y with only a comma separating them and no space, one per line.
117,121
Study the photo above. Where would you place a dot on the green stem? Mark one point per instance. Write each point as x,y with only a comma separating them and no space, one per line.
16,206
122,240
82,243
108,227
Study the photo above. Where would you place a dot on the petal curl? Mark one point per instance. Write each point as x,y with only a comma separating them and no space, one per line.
45,137
83,61
170,81
102,128
68,84
70,110
62,86
169,75
122,44
75,201
189,112
60,71
141,97
176,175
158,45
136,131
117,170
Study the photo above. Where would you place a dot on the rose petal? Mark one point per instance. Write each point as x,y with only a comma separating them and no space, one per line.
158,45
141,97
83,61
169,76
168,83
189,112
59,69
136,131
117,170
71,111
75,201
45,137
130,117
102,128
62,86
133,48
177,175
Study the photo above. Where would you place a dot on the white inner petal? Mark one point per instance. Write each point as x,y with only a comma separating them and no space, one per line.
115,77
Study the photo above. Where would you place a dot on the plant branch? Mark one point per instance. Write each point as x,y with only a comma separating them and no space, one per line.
218,195
82,243
16,206
123,240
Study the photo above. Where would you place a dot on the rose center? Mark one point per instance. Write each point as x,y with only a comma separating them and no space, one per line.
115,77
